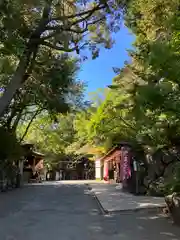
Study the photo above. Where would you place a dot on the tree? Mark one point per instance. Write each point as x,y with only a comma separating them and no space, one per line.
52,88
156,61
51,138
58,25
143,104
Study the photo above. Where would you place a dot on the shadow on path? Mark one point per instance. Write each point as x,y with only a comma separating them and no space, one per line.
69,212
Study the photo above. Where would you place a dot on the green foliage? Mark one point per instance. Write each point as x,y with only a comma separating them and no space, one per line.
155,67
58,26
51,138
53,88
173,185
142,104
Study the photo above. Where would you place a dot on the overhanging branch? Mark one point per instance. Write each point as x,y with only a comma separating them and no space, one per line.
80,14
57,29
29,124
47,44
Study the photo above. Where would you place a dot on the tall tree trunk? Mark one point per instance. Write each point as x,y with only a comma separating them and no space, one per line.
15,83
25,66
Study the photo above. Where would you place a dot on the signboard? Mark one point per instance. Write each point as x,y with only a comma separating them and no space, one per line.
126,169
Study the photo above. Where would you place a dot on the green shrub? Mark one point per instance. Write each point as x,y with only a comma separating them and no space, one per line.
174,184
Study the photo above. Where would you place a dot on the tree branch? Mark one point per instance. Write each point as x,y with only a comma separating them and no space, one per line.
123,120
43,22
18,118
29,124
57,29
47,44
87,12
31,65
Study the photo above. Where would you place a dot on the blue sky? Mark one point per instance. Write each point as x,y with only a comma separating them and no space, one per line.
98,73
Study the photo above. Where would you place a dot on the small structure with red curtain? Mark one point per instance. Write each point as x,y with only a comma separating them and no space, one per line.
118,165
111,163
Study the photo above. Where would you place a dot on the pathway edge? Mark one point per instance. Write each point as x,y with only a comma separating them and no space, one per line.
138,209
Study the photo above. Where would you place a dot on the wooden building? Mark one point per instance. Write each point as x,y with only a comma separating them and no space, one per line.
81,169
71,169
33,162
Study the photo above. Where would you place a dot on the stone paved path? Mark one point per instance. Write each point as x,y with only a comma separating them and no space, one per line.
57,211
113,199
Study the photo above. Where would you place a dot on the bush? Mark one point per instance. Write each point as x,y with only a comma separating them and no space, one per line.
156,188
174,184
